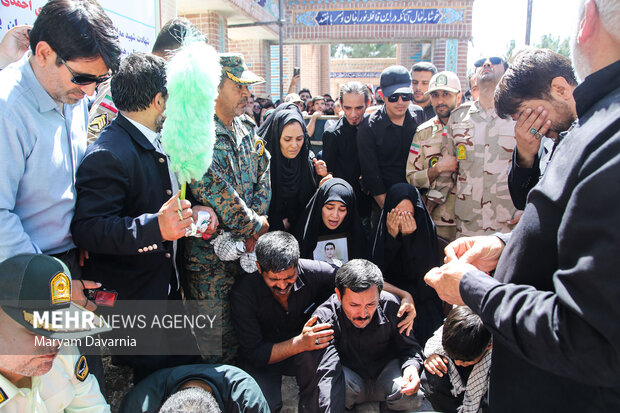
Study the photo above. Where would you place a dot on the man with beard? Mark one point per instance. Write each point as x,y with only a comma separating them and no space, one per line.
37,372
340,143
483,144
430,166
537,92
128,215
43,119
384,137
238,187
366,357
316,127
421,74
552,305
271,313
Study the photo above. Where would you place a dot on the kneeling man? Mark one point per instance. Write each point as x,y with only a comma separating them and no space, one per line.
368,358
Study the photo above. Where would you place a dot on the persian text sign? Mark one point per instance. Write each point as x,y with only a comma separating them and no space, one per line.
379,16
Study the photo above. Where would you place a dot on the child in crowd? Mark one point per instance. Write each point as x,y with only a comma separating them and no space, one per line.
456,374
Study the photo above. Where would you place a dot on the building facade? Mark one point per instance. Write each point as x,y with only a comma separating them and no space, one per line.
433,30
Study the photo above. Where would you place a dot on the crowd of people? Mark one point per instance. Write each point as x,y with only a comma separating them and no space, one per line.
444,244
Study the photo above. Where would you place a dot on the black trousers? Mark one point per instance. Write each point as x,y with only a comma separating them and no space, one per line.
303,367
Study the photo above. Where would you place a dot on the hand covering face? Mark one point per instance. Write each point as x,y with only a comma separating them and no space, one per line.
405,260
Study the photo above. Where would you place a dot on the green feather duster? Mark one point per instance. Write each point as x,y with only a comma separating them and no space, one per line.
188,134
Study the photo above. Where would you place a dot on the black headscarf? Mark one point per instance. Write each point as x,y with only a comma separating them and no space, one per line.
405,260
293,181
311,226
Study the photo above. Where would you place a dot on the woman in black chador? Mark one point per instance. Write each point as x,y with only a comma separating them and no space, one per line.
405,248
293,176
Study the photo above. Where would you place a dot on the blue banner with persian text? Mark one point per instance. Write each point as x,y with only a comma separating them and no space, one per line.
378,16
385,16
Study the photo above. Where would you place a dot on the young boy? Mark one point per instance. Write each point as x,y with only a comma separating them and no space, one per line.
456,375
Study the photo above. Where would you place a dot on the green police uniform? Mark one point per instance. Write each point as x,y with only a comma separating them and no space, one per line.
238,187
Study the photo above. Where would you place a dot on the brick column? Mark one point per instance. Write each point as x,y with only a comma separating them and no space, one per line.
212,25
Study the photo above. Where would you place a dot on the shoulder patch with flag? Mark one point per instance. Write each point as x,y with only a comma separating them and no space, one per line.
414,148
109,104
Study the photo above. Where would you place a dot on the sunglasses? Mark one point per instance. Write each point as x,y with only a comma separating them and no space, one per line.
406,97
493,60
83,80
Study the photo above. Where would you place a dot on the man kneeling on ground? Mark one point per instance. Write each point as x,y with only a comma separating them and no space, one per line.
368,358
271,315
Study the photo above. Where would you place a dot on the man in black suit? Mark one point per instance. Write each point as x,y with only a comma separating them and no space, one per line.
128,215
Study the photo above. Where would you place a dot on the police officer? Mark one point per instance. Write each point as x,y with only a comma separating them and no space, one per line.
429,165
237,186
36,373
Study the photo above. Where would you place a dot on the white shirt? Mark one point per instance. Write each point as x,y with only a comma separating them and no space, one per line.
58,390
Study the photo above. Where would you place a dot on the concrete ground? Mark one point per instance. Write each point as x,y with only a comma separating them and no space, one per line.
289,400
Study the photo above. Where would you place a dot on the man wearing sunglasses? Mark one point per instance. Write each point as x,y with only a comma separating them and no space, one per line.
552,304
385,136
483,144
43,126
73,47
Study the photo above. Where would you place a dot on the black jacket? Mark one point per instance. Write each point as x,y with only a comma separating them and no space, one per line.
383,149
554,305
121,184
342,159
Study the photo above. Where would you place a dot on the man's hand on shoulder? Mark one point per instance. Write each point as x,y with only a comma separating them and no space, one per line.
250,243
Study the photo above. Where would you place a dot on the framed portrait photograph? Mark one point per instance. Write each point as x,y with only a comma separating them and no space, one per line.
332,249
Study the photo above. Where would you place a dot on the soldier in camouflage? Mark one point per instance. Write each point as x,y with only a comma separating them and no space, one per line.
237,186
483,145
430,165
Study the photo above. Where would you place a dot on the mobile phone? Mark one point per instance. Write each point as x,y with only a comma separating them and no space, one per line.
102,296
296,71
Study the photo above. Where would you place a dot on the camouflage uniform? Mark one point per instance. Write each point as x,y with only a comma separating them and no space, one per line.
483,145
238,187
429,144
